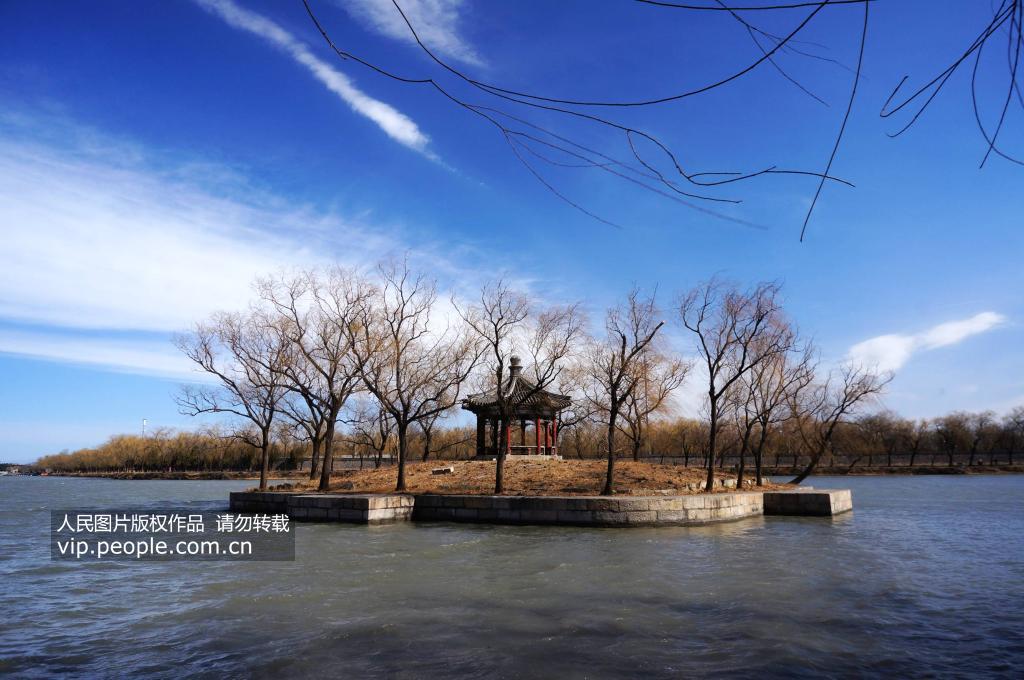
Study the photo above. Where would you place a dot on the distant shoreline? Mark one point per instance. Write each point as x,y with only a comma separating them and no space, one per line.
225,475
877,471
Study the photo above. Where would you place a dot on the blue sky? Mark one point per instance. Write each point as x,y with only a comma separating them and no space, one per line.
155,157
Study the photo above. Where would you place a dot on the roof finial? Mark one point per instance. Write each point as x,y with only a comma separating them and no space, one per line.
514,365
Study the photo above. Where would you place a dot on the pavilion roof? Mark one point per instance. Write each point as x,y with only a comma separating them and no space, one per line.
521,392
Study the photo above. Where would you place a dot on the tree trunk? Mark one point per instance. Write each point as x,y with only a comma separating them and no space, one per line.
314,458
743,457
810,466
328,462
609,486
758,455
402,444
499,463
709,483
426,443
264,457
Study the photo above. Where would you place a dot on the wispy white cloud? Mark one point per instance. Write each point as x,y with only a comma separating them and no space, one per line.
393,122
109,247
90,242
436,22
147,357
890,352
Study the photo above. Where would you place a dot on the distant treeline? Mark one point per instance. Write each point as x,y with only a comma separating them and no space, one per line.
215,450
871,441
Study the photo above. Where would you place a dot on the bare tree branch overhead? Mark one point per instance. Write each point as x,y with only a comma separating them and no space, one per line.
915,103
642,171
654,166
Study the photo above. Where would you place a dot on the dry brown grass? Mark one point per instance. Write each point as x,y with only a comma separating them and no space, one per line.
524,478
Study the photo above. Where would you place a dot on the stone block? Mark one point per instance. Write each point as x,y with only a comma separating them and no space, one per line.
608,518
815,503
540,516
598,504
584,503
346,515
502,502
376,502
575,516
642,517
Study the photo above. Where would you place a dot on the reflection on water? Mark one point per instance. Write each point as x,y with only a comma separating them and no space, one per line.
925,577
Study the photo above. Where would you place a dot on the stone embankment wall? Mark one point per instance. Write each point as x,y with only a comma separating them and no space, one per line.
358,509
618,511
590,510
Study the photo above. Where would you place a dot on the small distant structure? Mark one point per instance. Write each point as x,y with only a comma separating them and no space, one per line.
536,408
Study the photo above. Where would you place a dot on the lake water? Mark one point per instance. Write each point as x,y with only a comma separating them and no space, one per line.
924,578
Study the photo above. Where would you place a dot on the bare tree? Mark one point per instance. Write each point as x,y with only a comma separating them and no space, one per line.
413,366
825,405
743,401
427,426
775,384
660,374
954,434
370,428
309,417
886,433
735,332
982,426
917,435
1013,424
246,355
614,366
323,315
451,438
508,324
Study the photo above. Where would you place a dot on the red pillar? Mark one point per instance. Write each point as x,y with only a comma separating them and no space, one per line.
554,436
508,440
537,426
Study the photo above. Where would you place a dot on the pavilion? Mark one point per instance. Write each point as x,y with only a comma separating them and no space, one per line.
533,406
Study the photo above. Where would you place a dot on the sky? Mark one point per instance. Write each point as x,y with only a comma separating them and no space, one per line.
156,157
